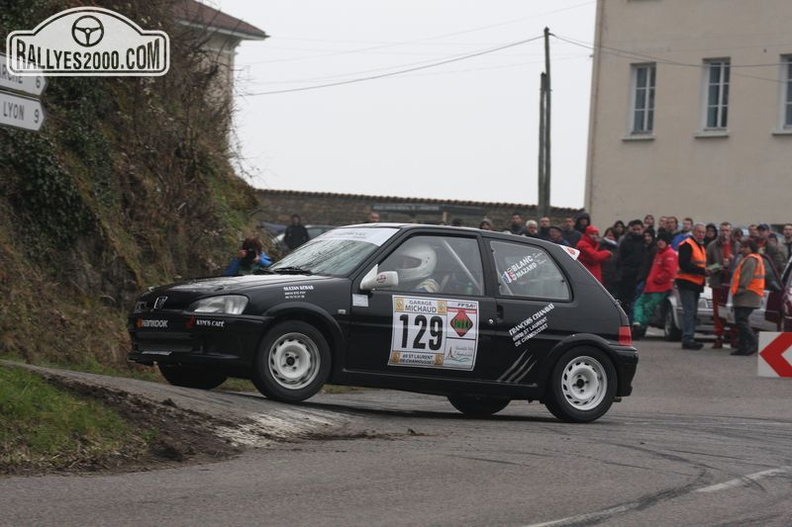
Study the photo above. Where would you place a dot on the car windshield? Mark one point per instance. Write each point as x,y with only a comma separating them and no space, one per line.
336,253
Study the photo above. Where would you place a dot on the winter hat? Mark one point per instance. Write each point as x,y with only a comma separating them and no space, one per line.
665,236
592,230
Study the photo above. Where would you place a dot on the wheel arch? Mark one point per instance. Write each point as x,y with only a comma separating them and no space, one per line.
575,341
310,314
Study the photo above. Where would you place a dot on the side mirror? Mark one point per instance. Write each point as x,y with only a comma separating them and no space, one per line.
376,280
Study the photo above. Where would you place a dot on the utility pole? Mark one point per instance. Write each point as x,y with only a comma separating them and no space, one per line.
544,133
541,205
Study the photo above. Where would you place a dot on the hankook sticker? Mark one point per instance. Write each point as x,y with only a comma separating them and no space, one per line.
148,323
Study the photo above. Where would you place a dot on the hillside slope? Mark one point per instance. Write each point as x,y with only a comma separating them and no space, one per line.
127,185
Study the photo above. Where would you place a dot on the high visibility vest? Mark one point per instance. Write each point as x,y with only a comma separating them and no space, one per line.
698,257
757,280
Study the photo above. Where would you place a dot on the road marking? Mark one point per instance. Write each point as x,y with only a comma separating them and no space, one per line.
613,511
601,515
745,480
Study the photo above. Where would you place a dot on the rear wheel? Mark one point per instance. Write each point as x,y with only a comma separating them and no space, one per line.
671,331
582,386
478,406
293,362
190,377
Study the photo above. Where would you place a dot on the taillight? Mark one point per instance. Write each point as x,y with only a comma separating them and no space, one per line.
625,336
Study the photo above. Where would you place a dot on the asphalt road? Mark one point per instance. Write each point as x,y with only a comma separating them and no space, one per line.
702,441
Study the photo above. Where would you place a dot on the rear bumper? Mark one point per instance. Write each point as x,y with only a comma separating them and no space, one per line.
626,364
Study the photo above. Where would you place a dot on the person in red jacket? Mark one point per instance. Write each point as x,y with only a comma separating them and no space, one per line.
658,284
590,254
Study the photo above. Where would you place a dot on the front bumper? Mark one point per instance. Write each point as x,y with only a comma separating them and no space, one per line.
188,339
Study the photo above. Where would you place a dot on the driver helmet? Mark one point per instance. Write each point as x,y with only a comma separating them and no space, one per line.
418,261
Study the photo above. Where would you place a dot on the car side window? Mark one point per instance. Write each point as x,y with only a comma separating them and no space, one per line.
529,271
437,264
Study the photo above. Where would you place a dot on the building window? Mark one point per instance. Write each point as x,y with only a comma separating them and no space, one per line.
643,95
717,95
786,78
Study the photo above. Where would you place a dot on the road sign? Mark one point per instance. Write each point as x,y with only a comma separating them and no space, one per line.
20,112
32,85
775,353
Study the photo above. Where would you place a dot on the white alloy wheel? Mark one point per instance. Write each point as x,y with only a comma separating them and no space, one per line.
294,360
584,383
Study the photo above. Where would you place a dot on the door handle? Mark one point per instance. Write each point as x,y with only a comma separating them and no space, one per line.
498,316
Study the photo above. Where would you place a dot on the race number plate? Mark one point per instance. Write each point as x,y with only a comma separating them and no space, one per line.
434,333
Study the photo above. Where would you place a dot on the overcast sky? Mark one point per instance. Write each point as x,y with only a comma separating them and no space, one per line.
464,130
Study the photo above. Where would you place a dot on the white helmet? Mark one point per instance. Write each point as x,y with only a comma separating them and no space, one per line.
418,261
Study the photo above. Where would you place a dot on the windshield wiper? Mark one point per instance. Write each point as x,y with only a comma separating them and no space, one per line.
291,270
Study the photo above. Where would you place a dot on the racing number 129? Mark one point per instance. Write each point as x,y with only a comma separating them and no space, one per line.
435,325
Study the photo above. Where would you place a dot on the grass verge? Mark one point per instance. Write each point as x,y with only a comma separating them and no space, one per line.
45,428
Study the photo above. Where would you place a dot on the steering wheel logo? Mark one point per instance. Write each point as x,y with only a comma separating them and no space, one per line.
87,31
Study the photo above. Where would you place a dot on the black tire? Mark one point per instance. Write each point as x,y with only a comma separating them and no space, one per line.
292,363
190,377
478,406
582,386
671,331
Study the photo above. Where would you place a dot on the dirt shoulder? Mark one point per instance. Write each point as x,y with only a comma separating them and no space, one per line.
187,426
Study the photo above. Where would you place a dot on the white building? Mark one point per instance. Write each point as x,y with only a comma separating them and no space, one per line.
691,111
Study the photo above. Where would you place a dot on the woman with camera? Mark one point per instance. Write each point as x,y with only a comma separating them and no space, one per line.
250,258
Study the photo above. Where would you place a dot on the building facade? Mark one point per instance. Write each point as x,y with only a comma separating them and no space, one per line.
691,111
219,35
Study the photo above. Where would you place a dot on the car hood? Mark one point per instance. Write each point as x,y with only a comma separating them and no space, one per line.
180,295
236,283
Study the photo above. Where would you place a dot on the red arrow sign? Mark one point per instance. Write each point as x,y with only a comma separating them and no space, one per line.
773,354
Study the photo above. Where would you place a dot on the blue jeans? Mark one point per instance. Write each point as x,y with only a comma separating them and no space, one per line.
747,338
689,299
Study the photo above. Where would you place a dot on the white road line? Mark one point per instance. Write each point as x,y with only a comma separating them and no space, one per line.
613,511
745,480
588,517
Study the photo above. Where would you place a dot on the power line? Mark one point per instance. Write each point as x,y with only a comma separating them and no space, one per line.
520,64
403,71
423,39
622,53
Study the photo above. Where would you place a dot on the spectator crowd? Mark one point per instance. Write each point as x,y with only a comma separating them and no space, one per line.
640,262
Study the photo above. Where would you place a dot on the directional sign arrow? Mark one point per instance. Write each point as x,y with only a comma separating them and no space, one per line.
27,84
21,112
773,354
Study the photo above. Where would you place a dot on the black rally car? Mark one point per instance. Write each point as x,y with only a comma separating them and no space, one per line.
478,316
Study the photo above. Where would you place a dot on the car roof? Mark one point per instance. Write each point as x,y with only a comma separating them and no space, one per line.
450,229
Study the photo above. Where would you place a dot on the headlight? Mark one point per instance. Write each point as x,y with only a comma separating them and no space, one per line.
227,305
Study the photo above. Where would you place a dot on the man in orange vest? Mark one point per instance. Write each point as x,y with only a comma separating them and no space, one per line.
690,282
747,289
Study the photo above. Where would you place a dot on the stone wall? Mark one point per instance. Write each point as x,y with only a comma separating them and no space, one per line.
277,206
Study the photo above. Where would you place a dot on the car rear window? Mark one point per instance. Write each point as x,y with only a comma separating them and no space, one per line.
528,271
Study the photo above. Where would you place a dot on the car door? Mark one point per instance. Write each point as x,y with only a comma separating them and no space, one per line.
535,308
435,321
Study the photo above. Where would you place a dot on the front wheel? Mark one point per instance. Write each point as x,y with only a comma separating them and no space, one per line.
582,386
293,362
478,406
189,377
